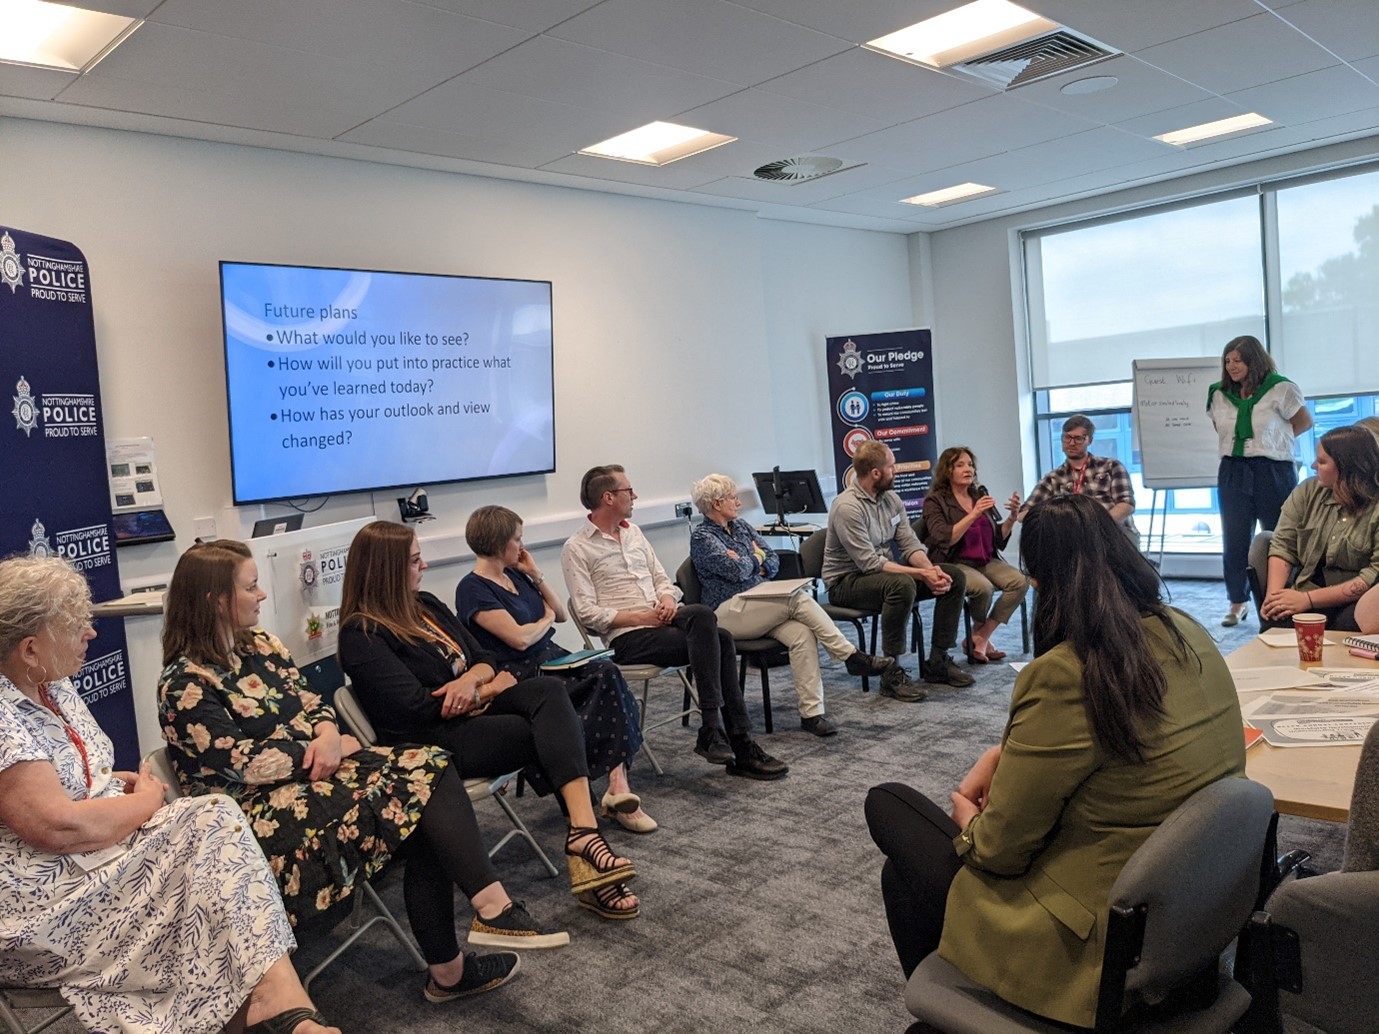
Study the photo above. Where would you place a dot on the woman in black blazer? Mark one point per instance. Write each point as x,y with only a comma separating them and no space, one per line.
422,677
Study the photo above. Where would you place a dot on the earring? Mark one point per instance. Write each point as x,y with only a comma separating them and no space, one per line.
37,681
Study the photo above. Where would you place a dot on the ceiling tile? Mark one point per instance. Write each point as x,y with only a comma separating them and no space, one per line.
530,15
124,8
373,32
1306,98
879,87
175,58
839,184
557,70
1132,26
1141,89
676,176
771,118
855,22
984,127
1182,117
35,83
1232,58
182,102
523,154
1347,28
707,37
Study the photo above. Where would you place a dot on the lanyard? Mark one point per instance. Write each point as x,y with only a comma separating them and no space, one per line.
443,640
1081,474
72,734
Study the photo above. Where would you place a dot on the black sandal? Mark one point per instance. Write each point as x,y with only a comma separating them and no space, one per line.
594,865
603,902
286,1022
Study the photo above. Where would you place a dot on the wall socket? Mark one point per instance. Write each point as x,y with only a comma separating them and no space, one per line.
205,528
683,510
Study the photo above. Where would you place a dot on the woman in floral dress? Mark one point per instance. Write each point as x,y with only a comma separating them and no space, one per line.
149,917
241,721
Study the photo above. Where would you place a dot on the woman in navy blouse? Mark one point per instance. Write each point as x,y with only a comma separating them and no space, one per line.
730,557
512,610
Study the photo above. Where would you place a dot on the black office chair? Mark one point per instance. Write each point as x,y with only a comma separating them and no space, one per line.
1177,904
812,560
921,532
763,653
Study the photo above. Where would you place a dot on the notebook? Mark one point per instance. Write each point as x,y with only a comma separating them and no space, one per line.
1362,642
578,659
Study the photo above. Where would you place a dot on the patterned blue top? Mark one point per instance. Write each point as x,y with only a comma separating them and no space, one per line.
721,576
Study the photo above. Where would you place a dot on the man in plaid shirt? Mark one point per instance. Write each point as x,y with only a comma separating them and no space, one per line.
1104,479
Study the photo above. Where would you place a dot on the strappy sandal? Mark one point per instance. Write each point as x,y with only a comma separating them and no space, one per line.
287,1022
603,902
594,865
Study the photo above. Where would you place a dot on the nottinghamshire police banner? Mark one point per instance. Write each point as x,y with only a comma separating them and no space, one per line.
55,499
882,386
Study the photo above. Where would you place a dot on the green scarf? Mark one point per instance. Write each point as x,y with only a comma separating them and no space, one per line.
1244,408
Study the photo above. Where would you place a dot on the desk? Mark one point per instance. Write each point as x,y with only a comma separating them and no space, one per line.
1314,782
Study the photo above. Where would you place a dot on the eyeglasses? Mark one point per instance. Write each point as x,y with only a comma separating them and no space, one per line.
628,490
1076,439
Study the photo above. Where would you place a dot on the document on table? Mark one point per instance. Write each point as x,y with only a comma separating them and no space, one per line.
1315,731
1279,637
1257,680
1303,704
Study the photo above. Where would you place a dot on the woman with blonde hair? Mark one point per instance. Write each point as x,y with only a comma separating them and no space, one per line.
422,677
150,917
961,527
241,721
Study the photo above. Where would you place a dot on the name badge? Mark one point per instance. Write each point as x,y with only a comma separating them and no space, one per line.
895,521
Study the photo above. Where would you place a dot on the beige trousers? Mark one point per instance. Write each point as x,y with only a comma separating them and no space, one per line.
801,624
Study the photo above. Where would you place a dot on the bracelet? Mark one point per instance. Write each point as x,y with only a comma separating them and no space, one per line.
478,700
1309,600
538,579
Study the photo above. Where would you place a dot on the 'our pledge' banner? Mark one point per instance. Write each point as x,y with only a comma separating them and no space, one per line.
882,386
52,459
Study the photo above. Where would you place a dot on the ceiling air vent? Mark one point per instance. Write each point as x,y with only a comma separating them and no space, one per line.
1050,54
799,170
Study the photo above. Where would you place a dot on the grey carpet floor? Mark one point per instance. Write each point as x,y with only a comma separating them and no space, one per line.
761,901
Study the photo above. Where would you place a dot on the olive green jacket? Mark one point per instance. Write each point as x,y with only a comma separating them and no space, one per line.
1027,914
1314,531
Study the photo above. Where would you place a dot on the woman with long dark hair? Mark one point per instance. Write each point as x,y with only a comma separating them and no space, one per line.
423,678
1325,552
1258,414
1126,711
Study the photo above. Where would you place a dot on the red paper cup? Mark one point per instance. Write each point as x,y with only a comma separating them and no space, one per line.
1309,628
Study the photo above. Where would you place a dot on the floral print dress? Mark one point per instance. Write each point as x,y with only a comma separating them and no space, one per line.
244,731
166,931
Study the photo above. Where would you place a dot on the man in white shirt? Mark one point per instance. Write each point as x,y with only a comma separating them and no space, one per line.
619,589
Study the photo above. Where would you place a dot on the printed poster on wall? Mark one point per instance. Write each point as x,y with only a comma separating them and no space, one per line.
881,386
52,458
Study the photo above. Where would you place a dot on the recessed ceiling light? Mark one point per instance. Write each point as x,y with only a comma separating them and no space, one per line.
964,32
33,32
949,195
1092,84
1208,130
657,143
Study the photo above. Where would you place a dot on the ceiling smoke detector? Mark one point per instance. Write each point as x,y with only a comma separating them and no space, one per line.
799,169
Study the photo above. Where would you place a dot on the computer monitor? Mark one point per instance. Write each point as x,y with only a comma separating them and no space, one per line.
789,491
277,525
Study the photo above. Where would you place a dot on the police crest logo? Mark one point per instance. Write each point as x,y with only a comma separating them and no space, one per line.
11,269
850,359
25,410
39,545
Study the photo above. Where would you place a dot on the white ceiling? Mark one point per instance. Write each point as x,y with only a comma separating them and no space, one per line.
513,88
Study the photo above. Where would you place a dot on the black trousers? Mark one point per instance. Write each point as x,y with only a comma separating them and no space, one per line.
1250,489
445,851
916,836
693,638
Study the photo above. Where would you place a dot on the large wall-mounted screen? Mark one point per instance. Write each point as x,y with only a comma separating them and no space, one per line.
343,380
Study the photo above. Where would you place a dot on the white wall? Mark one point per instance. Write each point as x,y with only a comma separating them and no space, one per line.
688,338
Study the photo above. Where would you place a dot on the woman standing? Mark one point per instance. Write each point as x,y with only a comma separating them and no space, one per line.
1325,552
422,677
1258,413
512,611
961,527
240,721
1126,711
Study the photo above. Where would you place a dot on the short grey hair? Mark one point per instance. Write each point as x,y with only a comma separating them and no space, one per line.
38,593
709,490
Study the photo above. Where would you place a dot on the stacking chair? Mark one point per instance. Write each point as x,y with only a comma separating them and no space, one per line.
162,767
1319,937
348,708
643,674
1257,573
812,558
31,999
763,653
1177,904
921,534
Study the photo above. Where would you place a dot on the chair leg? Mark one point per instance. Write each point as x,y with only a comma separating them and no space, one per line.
1024,626
519,829
766,699
862,646
646,746
15,1024
382,915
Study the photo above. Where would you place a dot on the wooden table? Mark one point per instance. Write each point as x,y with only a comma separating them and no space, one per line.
1314,782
